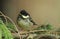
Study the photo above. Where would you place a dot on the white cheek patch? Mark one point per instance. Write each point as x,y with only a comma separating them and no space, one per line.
25,16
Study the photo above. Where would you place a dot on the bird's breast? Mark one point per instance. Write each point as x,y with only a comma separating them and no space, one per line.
25,22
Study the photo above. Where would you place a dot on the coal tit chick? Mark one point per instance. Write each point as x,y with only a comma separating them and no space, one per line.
24,20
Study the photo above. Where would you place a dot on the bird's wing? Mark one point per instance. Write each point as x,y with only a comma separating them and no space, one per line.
32,21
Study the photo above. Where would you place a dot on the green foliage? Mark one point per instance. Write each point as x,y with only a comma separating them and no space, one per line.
11,26
45,27
7,34
49,27
0,34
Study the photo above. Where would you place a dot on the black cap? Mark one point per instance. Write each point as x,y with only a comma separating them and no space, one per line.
23,12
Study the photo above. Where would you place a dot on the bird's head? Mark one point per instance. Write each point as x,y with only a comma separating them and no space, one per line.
24,14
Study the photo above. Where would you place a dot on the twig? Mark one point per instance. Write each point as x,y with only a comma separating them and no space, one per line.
24,32
14,25
10,20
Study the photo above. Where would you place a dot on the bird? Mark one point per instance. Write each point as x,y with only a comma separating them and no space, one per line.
24,20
